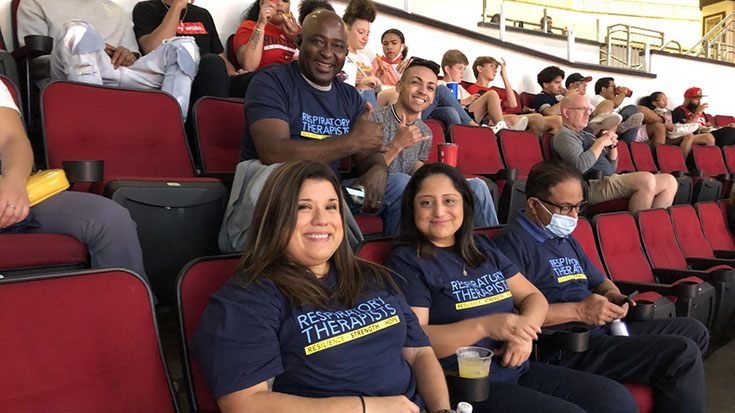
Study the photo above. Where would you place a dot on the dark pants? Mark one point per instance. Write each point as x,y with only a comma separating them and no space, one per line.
211,79
548,388
665,354
724,136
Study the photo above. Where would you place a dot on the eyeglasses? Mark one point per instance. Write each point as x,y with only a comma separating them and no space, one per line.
588,109
567,209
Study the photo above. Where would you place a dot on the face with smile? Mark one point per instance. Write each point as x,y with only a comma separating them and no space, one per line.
438,210
454,73
416,89
318,231
358,34
323,48
392,46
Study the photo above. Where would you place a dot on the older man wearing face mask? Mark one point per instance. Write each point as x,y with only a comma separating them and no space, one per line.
587,152
665,353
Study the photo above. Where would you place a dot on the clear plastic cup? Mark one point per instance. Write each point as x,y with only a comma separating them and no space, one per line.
474,362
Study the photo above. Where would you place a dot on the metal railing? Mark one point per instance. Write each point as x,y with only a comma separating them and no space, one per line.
718,43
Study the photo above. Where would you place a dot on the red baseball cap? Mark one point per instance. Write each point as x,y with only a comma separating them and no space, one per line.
693,92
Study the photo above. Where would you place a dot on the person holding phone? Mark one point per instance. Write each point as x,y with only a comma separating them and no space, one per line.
665,353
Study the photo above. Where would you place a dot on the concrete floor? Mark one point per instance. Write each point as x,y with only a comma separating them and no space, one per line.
719,370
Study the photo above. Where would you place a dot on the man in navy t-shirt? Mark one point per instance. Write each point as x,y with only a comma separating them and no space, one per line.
664,353
297,111
546,102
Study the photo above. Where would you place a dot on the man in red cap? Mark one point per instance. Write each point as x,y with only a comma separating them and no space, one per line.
692,111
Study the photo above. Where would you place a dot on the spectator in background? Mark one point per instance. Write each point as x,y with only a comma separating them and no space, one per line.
483,102
101,224
692,111
485,69
94,43
407,139
390,66
358,16
266,35
680,134
548,102
609,98
307,7
587,152
665,353
297,293
158,20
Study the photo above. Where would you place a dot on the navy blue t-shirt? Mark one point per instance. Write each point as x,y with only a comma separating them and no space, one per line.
558,267
542,101
248,335
440,286
281,92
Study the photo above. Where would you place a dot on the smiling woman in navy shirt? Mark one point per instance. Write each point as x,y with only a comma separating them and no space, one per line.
464,292
301,308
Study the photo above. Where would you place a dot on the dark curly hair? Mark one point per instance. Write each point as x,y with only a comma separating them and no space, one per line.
359,10
306,7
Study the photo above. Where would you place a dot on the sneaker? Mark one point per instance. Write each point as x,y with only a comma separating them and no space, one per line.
682,129
521,124
498,126
635,120
604,122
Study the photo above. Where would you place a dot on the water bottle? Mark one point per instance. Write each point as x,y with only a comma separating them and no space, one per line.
618,328
464,407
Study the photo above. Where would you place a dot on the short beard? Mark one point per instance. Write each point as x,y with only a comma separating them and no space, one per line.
692,107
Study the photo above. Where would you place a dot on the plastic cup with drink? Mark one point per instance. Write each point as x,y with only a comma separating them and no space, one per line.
448,153
628,93
454,87
474,362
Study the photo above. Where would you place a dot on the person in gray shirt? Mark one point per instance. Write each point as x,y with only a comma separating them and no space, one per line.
407,139
588,152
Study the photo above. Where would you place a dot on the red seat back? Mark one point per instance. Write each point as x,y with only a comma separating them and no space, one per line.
81,342
723,120
642,157
491,232
375,250
527,99
437,138
584,235
625,163
232,53
710,119
689,232
219,124
709,159
14,20
670,158
546,144
138,133
659,240
520,150
730,157
196,282
40,251
714,226
620,245
478,151
439,122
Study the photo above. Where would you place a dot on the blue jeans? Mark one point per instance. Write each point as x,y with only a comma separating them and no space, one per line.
446,108
368,95
485,215
390,212
548,388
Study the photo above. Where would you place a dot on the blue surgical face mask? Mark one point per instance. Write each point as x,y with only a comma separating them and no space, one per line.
560,225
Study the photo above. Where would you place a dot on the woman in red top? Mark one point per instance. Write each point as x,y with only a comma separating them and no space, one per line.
267,35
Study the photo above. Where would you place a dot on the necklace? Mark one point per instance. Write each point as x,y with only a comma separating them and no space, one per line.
460,263
181,20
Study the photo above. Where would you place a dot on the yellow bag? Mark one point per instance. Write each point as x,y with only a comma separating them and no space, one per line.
45,184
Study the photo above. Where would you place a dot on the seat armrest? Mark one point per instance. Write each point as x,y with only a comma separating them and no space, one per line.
696,172
503,175
699,263
226,177
39,45
727,254
627,287
677,174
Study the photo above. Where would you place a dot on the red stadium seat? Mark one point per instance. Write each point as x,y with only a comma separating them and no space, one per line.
520,150
623,257
715,229
218,124
81,342
375,250
518,108
729,157
709,159
642,157
527,99
671,160
40,253
546,145
625,162
724,120
491,232
710,118
369,224
232,53
478,151
437,138
196,282
439,122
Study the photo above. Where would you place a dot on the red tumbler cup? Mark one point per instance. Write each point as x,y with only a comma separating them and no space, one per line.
628,93
448,153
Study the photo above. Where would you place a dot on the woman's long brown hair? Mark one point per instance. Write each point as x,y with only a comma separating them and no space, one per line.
272,226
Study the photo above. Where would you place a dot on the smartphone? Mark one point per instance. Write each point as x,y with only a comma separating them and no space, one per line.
354,195
481,92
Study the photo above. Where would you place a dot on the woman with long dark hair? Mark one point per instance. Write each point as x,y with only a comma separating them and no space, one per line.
465,292
676,133
330,328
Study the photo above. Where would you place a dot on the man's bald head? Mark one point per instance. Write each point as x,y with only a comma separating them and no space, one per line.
323,46
575,112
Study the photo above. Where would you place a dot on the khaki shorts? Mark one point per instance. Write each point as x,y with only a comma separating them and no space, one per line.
611,187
